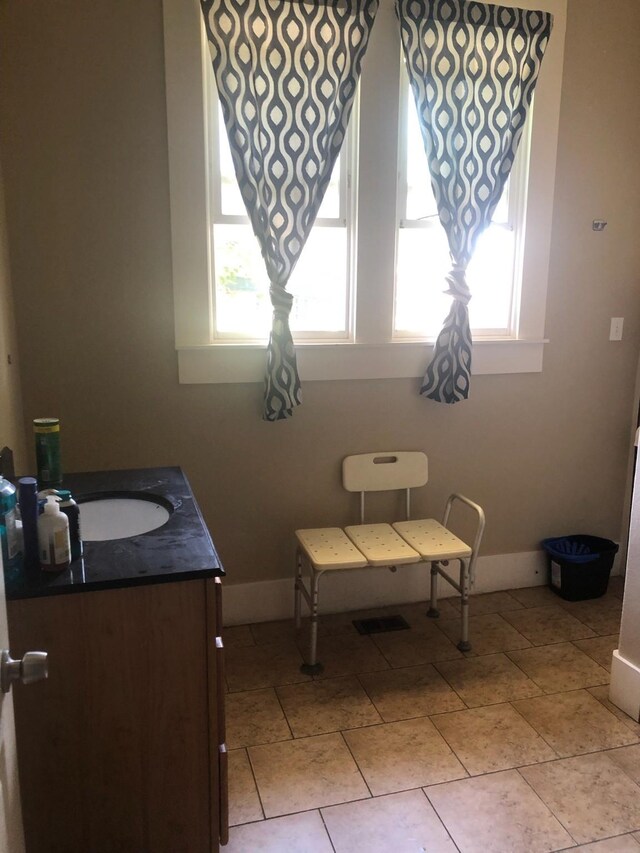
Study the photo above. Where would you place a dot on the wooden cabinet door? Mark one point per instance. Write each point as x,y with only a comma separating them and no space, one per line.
217,721
114,747
11,836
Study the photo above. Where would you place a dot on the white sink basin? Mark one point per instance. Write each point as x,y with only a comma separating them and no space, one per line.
108,518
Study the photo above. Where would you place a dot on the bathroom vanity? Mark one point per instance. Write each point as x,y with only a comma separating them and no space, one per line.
123,748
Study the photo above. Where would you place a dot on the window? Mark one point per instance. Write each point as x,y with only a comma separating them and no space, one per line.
322,280
494,274
368,287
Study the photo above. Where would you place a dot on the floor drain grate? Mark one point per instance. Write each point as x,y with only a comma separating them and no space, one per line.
380,625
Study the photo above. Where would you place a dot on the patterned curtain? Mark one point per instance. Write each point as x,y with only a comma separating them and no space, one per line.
473,69
286,72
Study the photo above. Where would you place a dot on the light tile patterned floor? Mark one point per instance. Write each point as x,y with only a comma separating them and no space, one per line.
406,745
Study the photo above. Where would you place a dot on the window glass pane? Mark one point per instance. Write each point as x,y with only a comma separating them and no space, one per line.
491,274
501,213
318,283
231,203
420,201
423,262
330,207
242,296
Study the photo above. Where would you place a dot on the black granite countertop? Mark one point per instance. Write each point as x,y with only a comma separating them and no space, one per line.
181,549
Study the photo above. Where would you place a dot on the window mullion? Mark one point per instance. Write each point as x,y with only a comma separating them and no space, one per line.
377,180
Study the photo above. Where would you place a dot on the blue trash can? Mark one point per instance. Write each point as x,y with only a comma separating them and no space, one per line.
579,565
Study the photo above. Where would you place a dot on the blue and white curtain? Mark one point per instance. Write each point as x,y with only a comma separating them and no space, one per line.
473,70
287,73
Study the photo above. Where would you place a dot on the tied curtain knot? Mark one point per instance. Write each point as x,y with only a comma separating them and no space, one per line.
457,286
281,301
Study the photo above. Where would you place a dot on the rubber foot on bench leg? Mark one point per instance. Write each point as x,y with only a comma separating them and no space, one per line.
433,612
464,646
311,668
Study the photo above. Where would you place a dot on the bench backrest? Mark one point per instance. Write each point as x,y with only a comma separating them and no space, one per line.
384,471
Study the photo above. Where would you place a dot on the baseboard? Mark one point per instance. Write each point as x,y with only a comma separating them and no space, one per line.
624,690
268,600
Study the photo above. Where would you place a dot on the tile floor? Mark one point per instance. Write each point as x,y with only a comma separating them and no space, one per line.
404,744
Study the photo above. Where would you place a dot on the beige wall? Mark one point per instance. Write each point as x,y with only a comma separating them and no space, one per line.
85,159
11,418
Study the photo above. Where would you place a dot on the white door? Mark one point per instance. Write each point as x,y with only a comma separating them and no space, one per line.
11,837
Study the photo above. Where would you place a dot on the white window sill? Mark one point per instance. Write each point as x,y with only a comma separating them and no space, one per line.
246,362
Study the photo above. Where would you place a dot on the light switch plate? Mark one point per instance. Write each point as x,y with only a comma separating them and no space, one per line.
615,333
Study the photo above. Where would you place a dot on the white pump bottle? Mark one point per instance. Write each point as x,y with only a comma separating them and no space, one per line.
53,537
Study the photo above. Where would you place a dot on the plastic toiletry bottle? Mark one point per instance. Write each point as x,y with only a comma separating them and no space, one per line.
71,509
28,503
9,533
47,436
53,537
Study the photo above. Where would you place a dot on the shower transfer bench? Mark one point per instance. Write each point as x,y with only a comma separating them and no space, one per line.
360,546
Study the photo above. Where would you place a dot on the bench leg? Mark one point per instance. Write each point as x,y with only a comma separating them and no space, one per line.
297,590
312,667
433,611
464,645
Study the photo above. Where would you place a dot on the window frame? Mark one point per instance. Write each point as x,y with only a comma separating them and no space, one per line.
372,352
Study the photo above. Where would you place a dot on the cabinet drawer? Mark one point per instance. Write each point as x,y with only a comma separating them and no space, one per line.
220,691
217,587
214,607
223,764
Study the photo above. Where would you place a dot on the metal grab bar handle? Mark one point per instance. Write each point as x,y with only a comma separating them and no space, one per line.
479,530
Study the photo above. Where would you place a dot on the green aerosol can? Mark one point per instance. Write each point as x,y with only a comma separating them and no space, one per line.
47,436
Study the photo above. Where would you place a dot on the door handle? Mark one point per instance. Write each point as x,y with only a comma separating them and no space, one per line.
32,667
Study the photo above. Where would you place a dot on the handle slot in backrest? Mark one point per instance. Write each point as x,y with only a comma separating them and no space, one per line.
385,460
